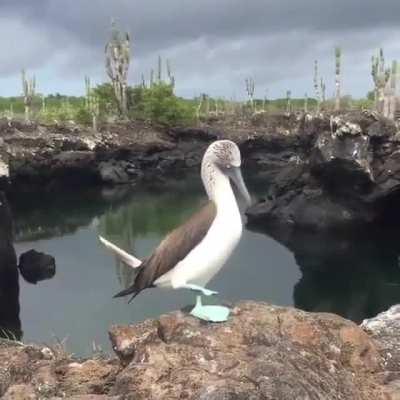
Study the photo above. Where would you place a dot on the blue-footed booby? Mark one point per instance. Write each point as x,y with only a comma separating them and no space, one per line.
192,254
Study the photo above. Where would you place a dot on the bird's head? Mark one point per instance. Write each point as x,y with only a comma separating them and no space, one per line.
225,156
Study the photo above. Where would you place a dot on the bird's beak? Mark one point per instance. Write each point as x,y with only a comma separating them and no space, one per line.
235,174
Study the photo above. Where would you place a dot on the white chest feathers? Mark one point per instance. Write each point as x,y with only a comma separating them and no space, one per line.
209,256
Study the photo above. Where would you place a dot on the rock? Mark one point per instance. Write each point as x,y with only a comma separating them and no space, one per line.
204,134
4,169
20,392
382,128
342,162
347,181
385,330
117,172
94,397
126,340
36,266
349,170
45,380
88,377
10,324
298,199
262,352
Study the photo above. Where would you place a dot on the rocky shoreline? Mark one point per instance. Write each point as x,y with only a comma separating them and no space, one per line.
315,173
262,352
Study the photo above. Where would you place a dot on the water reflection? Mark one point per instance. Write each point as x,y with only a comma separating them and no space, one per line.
55,214
355,275
34,267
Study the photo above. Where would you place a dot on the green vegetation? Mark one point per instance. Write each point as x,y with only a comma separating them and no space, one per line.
157,104
155,101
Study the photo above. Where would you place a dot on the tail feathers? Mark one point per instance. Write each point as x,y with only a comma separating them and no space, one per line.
122,255
126,292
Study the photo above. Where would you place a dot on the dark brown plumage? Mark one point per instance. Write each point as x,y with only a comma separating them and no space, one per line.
174,248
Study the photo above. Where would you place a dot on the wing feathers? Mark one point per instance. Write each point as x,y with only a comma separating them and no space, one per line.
174,248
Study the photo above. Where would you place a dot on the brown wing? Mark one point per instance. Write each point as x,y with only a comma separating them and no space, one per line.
174,248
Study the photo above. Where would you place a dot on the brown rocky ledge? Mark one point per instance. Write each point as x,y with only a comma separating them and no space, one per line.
262,352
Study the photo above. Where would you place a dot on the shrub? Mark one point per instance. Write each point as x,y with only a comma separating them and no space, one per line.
160,105
107,102
82,116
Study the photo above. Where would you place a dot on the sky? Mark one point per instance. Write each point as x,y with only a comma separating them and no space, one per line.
213,45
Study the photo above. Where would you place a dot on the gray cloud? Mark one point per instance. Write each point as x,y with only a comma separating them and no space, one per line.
212,45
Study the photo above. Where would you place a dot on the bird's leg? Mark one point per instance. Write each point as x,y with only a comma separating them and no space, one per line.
198,301
196,288
206,313
209,313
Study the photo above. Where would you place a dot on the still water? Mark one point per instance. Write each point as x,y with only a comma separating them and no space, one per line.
353,276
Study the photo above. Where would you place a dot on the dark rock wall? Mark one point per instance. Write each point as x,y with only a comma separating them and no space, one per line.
319,173
10,324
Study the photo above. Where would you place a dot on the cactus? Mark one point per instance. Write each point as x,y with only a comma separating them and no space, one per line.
87,91
28,87
207,105
92,103
323,91
316,86
198,108
44,108
305,103
380,76
171,77
338,64
250,86
159,70
152,77
265,101
288,102
9,114
118,56
389,97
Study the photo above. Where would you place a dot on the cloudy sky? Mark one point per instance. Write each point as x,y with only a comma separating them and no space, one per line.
213,45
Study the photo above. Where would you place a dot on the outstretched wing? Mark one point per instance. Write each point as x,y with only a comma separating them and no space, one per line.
174,248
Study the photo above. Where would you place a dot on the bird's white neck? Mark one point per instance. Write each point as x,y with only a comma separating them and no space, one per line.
219,190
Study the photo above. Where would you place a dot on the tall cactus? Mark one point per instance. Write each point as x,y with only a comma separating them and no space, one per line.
288,101
380,76
316,86
305,103
198,108
28,88
143,81
159,69
44,108
250,87
389,99
338,68
171,77
87,91
118,56
152,77
323,91
92,103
